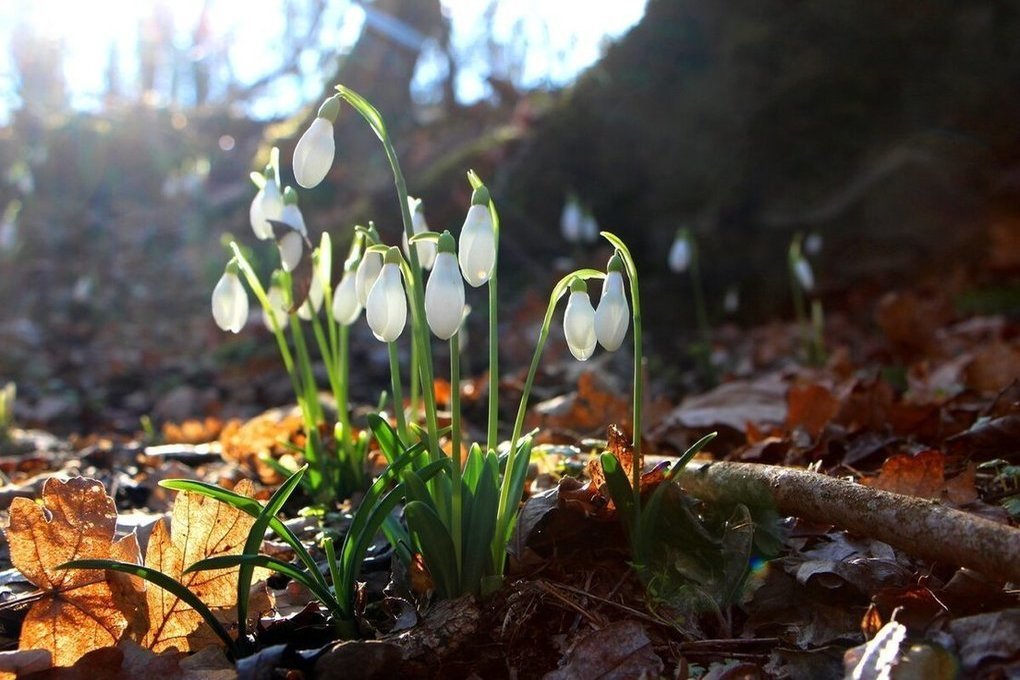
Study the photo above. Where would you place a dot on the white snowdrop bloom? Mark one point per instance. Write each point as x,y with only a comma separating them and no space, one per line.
804,275
346,307
731,301
230,302
386,310
444,292
277,308
570,220
612,318
813,243
292,217
291,247
314,152
680,253
579,322
267,205
477,253
426,249
368,272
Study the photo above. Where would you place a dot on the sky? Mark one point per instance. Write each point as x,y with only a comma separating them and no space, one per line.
563,38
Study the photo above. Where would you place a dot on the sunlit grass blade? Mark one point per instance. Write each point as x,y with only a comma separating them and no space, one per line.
687,455
160,579
253,508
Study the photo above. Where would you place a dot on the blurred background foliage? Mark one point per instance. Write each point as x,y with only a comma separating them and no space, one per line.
889,128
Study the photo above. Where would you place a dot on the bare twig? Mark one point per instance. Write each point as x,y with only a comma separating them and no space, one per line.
920,527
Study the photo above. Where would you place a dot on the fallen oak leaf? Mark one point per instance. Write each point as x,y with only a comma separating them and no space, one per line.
77,612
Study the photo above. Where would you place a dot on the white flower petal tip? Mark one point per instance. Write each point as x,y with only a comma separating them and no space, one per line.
230,303
477,248
612,318
579,325
346,308
386,310
444,297
313,155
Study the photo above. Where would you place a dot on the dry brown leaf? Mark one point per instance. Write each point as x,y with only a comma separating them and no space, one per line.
266,435
77,613
201,528
810,407
923,475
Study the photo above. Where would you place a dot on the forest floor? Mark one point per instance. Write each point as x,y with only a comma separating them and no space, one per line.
919,400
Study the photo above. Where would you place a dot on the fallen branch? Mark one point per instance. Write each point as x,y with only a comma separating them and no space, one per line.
920,527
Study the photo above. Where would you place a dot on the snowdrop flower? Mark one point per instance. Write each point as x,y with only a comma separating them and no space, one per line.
680,252
277,306
571,219
267,205
230,301
291,214
426,249
346,306
731,302
314,152
612,318
802,272
368,271
477,254
444,292
579,321
317,290
386,310
813,243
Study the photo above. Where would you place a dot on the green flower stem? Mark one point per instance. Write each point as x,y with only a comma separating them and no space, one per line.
455,519
635,301
415,380
492,434
398,396
420,330
701,313
507,505
326,350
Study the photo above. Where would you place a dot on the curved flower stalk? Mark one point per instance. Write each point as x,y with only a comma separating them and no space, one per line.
612,318
267,204
444,292
579,321
426,249
477,254
313,155
386,306
802,283
230,300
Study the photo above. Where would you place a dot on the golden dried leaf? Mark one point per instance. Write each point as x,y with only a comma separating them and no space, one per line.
923,475
77,613
201,528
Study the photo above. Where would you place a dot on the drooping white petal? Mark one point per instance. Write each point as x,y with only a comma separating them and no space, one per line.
291,246
368,271
346,308
292,216
267,205
386,310
612,318
313,154
277,308
570,221
230,303
477,247
805,276
579,325
680,256
444,297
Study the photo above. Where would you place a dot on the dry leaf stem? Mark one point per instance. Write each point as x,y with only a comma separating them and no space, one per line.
920,527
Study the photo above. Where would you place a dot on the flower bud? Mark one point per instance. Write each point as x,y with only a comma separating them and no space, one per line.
230,301
680,252
386,310
267,205
579,321
804,275
346,307
444,292
314,152
426,249
477,253
368,271
612,318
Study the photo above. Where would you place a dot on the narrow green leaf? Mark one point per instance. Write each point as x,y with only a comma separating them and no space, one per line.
684,459
479,526
389,444
367,111
166,583
619,489
473,467
436,546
